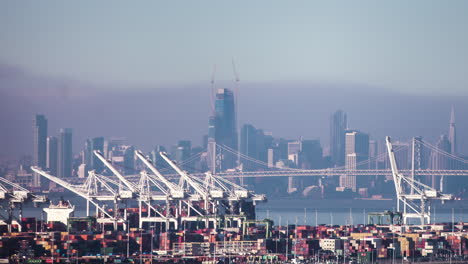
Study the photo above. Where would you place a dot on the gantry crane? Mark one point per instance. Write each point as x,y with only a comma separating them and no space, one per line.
15,196
414,196
142,192
220,196
95,189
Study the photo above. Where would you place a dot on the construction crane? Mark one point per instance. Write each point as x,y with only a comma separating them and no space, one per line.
414,196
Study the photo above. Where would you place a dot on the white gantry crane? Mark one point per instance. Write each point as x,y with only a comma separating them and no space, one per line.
13,196
414,196
220,196
142,192
94,190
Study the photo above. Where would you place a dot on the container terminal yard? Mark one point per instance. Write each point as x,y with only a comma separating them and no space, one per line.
188,219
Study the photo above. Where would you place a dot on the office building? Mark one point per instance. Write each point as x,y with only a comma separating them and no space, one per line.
92,161
338,126
65,159
356,151
222,131
40,147
439,161
311,154
52,155
182,153
129,160
155,158
452,137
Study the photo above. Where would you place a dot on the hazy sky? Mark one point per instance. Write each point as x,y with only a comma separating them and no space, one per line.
412,46
142,70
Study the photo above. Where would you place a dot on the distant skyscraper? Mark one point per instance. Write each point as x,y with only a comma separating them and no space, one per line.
248,145
372,154
64,167
356,150
311,154
452,137
92,162
222,129
182,153
52,155
338,125
129,160
156,159
294,149
40,151
440,161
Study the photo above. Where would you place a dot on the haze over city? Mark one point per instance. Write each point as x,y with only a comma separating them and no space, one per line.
150,66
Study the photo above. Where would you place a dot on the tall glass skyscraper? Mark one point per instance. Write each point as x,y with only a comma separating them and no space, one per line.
40,145
40,138
64,166
338,125
92,162
452,136
52,155
222,128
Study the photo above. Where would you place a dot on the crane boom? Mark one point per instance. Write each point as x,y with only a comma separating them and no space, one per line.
116,172
393,165
184,176
69,187
174,189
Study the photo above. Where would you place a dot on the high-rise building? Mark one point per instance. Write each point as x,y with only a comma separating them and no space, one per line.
440,161
255,143
294,150
92,162
156,159
182,153
52,155
452,137
110,144
356,150
65,159
338,126
248,144
222,130
129,160
311,154
40,148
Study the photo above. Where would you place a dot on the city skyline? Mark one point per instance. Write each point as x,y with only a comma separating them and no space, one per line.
369,112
